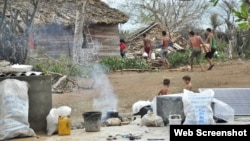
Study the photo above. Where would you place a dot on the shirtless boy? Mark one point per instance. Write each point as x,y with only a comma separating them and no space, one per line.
147,45
187,81
164,55
195,43
165,89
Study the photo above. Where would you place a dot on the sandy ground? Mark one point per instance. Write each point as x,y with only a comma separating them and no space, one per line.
105,132
145,133
129,87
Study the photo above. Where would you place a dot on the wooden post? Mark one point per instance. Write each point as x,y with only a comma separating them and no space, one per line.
78,35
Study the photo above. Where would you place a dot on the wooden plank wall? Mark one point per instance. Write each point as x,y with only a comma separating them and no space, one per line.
107,34
55,40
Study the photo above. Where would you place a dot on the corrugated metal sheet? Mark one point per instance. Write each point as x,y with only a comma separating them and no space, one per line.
237,98
30,73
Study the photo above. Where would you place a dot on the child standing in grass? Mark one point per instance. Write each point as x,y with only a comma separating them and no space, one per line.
187,81
165,89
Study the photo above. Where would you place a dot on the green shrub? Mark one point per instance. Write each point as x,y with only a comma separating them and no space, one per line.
182,58
220,56
247,54
115,63
221,45
63,66
179,58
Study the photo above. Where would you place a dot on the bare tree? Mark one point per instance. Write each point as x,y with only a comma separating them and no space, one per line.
15,25
172,15
215,22
234,37
226,7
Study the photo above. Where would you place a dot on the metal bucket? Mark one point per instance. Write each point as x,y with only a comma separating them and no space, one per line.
92,121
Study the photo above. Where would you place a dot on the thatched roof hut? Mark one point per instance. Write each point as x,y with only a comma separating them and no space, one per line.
55,20
64,12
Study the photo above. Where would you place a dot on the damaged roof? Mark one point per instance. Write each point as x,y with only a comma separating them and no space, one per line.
64,12
141,31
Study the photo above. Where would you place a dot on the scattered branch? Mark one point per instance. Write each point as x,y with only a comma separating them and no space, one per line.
63,78
59,81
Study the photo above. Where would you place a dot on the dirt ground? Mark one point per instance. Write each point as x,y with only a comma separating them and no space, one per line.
131,87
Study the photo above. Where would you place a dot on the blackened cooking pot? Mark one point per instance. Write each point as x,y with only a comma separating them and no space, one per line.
112,114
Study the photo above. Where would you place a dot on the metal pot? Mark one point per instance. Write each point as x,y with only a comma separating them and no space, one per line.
112,114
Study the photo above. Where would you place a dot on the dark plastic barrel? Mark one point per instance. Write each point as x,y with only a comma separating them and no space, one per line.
92,121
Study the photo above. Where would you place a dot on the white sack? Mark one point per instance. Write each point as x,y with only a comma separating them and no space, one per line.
151,119
197,107
14,108
140,104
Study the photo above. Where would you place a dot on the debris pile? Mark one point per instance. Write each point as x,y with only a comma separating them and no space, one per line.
153,31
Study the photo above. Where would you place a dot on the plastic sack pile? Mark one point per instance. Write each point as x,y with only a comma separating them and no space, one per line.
52,118
151,119
197,107
139,105
14,108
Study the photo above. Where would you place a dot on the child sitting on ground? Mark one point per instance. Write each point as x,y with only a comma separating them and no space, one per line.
187,82
165,89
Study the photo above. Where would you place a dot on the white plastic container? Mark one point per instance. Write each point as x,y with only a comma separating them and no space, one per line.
153,56
174,119
144,54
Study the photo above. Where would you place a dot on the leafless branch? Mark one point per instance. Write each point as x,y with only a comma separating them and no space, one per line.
3,13
171,14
